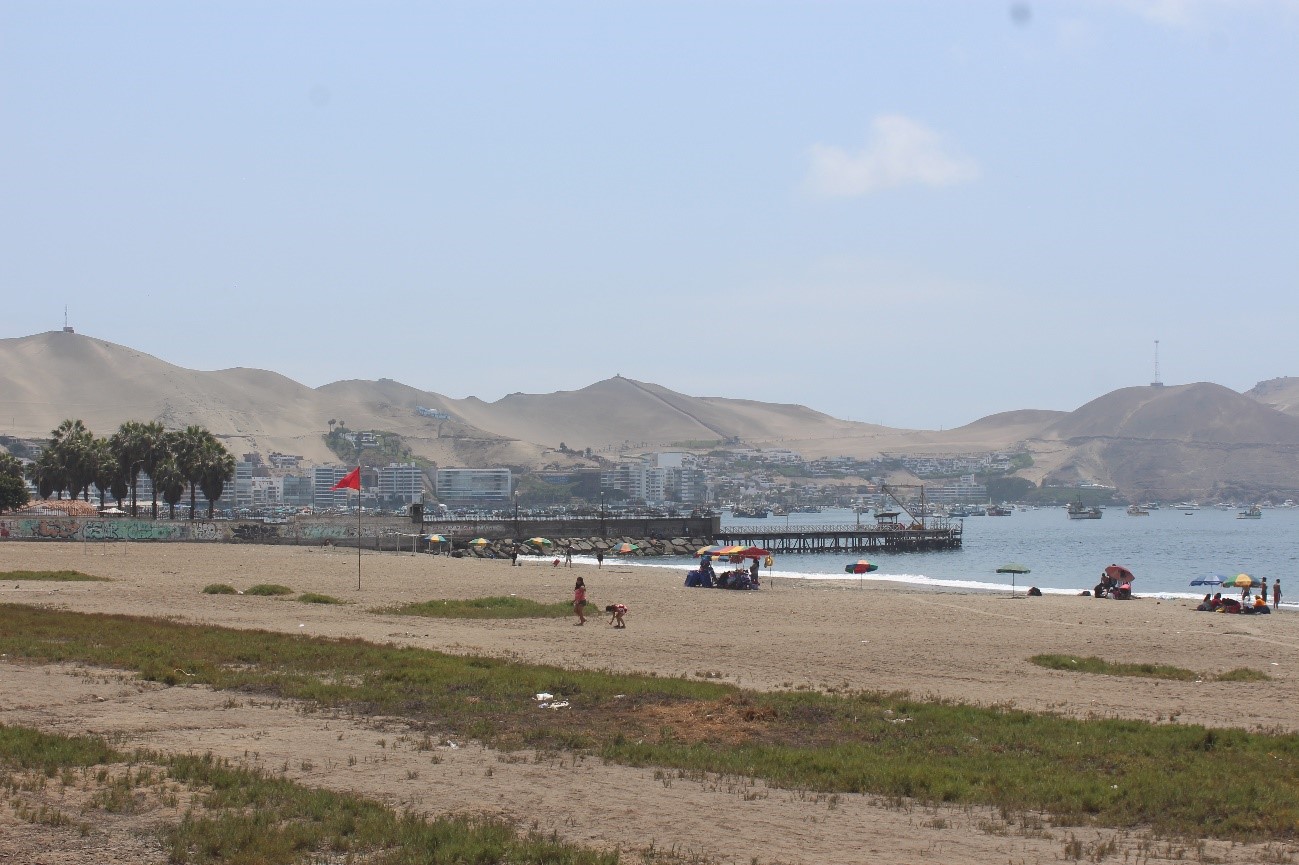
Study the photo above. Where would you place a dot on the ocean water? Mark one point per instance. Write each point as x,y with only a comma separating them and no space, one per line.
1165,551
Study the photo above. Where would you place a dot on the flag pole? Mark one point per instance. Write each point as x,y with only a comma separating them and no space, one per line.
358,527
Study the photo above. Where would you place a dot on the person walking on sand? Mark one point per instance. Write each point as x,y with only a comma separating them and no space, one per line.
599,558
568,557
616,612
579,601
1276,596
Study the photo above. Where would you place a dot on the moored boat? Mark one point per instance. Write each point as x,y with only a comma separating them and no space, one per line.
1253,512
1137,511
1079,511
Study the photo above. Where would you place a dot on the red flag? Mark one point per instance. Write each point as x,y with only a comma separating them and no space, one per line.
350,481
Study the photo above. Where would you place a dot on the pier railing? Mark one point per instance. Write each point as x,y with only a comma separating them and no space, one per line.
839,538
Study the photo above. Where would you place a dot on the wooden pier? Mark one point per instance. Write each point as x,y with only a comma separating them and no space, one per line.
934,535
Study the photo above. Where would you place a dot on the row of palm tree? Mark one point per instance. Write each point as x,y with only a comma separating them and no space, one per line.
75,459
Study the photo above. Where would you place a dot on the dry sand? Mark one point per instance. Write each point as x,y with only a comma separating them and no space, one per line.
964,646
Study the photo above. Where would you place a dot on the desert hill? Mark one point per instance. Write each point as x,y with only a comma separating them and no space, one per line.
1197,439
1281,394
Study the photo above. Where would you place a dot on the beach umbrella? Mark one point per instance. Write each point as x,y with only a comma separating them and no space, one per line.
710,550
860,567
1240,581
1211,580
1119,574
435,539
479,542
540,542
753,553
1012,568
625,548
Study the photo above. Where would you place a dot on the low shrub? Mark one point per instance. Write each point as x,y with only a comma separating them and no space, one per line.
219,589
269,589
313,598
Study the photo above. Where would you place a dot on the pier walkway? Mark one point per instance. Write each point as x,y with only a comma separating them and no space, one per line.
936,535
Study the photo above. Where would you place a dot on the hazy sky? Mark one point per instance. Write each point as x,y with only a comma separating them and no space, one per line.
909,213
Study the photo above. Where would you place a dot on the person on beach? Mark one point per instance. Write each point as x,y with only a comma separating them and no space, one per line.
579,600
616,612
514,556
1276,595
1262,590
568,557
599,558
753,572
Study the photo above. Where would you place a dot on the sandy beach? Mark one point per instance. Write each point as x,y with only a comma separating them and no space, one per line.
971,647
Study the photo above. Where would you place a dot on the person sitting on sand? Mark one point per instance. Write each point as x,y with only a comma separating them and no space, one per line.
616,611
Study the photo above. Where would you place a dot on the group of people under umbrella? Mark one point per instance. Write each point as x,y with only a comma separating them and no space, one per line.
743,578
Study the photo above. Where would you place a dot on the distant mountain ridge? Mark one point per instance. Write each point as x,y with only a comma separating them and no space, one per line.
1197,439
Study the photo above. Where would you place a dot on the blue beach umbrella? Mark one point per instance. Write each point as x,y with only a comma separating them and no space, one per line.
1211,580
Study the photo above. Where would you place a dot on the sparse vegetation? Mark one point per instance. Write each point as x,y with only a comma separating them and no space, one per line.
1176,779
313,598
243,815
1100,666
269,589
484,608
220,589
55,576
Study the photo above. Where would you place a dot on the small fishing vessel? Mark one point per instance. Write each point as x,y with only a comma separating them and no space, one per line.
1079,511
1137,511
1253,512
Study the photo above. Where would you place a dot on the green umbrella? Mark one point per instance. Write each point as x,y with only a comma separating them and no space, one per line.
1012,568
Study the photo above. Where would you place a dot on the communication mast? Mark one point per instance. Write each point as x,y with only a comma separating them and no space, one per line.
1156,382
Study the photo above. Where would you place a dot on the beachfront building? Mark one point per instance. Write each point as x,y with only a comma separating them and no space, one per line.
658,478
323,497
486,488
298,490
962,489
401,483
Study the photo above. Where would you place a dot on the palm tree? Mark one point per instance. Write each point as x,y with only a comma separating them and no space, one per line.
169,480
155,445
218,468
127,445
189,445
70,445
47,474
106,471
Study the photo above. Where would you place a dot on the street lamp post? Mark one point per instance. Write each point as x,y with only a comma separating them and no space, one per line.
602,512
516,513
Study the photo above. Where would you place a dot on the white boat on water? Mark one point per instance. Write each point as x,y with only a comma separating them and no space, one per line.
1137,511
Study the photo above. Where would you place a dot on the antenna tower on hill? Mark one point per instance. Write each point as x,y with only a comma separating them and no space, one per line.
1156,382
66,329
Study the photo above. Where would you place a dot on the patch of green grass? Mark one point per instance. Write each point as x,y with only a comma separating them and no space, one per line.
245,815
220,589
60,576
499,607
1102,667
1242,674
313,598
1176,779
269,589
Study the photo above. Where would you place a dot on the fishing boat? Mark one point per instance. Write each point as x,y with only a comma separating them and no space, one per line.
751,512
996,510
1079,511
1253,512
1137,511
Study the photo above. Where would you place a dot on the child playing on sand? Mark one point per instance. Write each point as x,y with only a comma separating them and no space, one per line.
617,611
